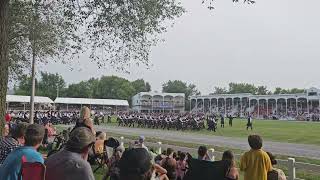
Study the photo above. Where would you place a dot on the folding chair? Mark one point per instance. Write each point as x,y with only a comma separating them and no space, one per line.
32,171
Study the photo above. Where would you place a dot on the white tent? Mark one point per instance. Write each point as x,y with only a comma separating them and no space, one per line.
26,99
103,102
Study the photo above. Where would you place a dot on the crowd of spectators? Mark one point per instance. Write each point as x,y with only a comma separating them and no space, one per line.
136,162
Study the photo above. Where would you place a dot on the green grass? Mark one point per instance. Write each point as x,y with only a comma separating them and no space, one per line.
271,130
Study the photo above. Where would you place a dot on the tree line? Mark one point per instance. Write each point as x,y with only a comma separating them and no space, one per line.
235,88
106,87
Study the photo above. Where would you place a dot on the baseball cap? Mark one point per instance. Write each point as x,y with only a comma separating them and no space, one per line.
135,162
141,138
80,138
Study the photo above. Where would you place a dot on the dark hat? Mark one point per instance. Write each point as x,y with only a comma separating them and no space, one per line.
135,162
80,138
113,143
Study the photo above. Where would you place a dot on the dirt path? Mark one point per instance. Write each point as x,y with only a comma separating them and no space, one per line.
290,149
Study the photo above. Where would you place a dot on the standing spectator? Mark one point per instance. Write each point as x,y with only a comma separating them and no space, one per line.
141,143
181,166
233,173
10,168
203,153
275,174
71,162
13,141
255,163
113,164
6,130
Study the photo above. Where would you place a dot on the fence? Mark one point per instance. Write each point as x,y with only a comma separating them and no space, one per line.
291,164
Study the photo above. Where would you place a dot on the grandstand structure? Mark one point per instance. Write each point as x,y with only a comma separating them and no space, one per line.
22,103
260,106
148,102
75,104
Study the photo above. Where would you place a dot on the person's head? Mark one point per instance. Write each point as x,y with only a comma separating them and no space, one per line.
170,151
272,158
85,113
80,141
182,156
34,135
141,139
102,136
118,152
18,132
202,151
255,142
228,156
135,164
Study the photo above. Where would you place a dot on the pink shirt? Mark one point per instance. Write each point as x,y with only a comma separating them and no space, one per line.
181,168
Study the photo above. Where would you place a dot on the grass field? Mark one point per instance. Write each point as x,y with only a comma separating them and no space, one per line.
271,130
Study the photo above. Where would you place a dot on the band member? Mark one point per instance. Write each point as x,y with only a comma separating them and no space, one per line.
222,120
249,123
230,120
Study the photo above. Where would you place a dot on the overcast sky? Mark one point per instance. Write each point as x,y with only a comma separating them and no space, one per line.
273,43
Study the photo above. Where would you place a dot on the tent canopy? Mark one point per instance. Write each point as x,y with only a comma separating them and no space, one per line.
104,102
26,99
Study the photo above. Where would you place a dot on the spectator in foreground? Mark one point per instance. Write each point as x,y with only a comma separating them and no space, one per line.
233,173
71,162
85,120
203,153
13,141
135,164
10,168
6,130
255,163
275,174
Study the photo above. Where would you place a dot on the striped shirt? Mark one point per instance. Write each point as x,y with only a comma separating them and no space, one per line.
7,145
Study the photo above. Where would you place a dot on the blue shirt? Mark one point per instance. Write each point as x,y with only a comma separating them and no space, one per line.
11,167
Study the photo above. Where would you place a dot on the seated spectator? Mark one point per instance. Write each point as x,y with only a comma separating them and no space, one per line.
255,163
71,162
10,168
233,173
203,153
12,141
275,174
135,164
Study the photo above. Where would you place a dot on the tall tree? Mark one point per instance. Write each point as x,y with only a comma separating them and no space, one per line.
262,90
177,86
51,85
220,90
141,86
235,88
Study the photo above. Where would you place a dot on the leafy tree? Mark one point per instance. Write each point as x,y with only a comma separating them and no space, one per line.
262,90
235,88
79,90
220,90
49,85
177,86
141,86
113,87
123,31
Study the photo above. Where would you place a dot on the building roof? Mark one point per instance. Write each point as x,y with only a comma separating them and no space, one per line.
160,94
106,102
26,99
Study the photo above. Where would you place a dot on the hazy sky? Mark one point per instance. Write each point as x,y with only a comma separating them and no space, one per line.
273,43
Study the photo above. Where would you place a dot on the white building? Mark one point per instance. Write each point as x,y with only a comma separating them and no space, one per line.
75,104
260,105
158,102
